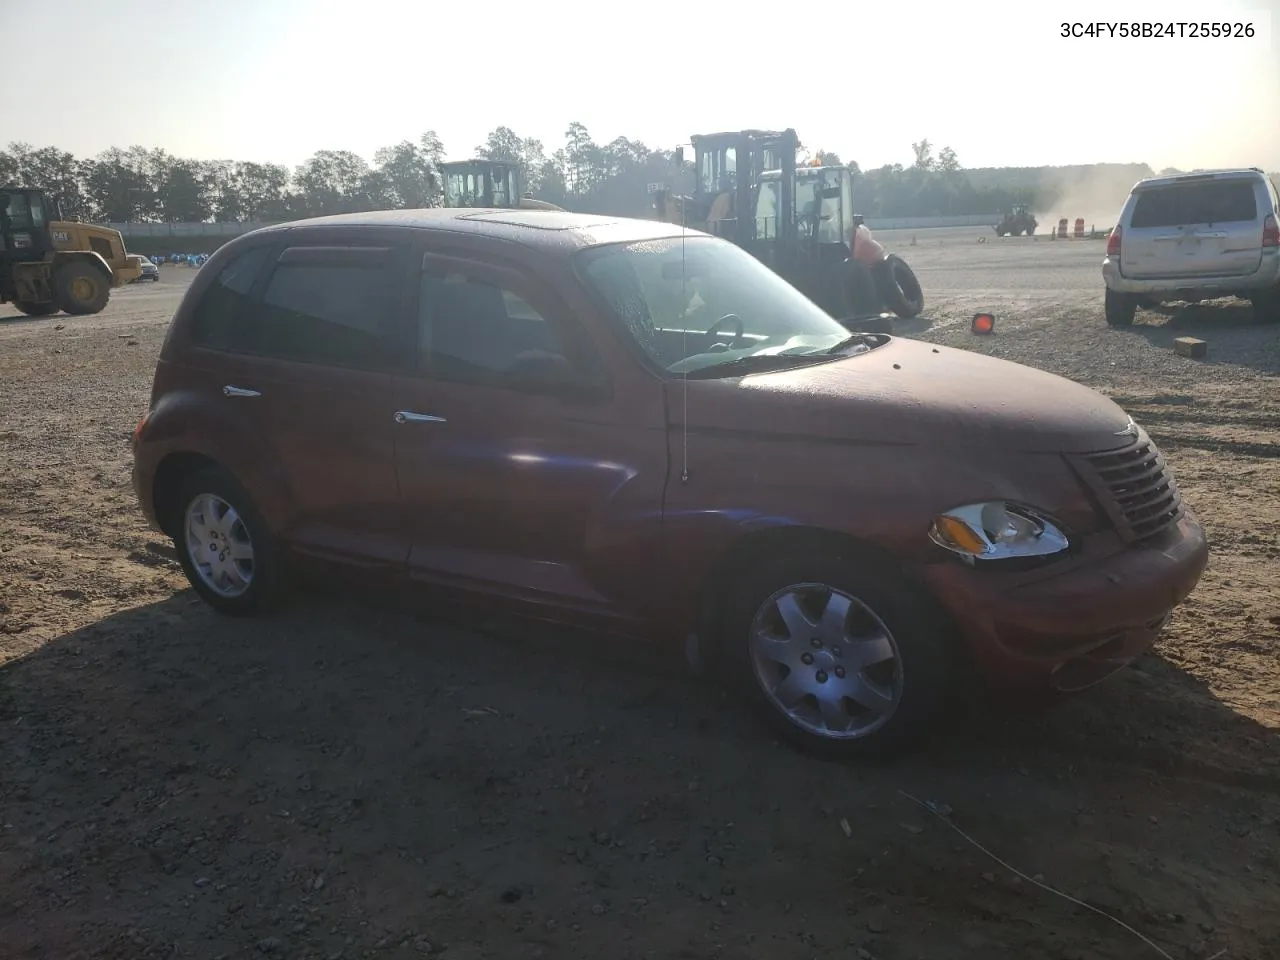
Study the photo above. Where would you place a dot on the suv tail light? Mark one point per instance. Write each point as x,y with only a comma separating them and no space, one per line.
1270,232
1113,243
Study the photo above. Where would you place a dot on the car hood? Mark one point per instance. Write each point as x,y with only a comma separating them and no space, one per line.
912,392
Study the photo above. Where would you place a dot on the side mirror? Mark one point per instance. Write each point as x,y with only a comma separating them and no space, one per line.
680,155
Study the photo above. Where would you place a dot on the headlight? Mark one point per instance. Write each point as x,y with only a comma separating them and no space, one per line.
997,531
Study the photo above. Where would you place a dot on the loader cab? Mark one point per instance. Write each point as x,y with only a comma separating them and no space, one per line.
482,183
823,205
730,168
25,216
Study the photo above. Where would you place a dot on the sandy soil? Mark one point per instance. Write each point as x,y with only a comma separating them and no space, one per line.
360,779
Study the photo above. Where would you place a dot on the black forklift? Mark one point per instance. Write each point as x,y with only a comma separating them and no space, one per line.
488,184
798,220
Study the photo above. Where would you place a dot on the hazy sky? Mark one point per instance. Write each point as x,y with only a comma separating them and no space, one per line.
275,80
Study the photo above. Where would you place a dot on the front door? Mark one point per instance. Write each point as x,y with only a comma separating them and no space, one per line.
511,485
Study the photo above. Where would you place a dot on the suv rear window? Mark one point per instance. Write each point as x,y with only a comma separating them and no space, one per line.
1220,201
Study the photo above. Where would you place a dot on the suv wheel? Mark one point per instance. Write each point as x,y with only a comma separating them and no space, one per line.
224,545
1120,308
842,660
1266,306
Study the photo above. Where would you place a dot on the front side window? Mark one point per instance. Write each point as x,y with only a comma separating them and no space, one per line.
473,331
19,212
325,313
226,299
703,303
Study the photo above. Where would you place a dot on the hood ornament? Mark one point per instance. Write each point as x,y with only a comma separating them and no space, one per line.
1130,429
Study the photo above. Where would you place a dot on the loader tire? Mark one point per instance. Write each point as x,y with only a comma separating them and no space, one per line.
80,288
898,287
36,309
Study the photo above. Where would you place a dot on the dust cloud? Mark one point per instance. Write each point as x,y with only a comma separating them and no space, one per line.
1095,193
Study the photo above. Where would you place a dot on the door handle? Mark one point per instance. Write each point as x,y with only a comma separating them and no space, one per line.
230,391
405,416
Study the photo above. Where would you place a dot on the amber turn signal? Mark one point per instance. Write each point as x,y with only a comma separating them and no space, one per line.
983,323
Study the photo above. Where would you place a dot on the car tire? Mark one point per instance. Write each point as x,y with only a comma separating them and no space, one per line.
1119,309
1266,307
216,519
871,673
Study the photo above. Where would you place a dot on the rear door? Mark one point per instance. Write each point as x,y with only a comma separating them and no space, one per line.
311,375
1195,227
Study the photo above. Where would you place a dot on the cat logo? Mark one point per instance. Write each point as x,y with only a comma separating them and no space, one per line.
61,236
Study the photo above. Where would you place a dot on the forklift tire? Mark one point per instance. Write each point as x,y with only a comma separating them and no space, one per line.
36,309
899,287
80,288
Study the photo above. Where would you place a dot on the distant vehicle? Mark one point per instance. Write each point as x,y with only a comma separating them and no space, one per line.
622,424
1195,237
1017,222
484,183
798,219
48,263
146,267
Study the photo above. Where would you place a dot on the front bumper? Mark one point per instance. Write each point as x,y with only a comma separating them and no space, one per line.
1073,629
1205,288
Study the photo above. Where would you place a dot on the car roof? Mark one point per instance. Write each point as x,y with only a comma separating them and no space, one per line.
1201,176
541,228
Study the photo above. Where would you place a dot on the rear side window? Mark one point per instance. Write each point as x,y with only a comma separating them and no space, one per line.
1220,201
333,314
226,299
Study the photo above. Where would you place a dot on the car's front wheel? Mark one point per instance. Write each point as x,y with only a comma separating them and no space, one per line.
843,659
224,545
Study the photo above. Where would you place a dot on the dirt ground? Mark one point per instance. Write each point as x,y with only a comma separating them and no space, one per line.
356,779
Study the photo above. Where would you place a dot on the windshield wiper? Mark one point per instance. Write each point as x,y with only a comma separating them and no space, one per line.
757,363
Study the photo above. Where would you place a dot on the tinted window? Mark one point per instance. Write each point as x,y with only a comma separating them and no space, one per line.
478,332
226,299
326,313
1221,201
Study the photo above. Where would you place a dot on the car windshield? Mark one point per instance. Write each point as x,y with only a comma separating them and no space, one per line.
702,305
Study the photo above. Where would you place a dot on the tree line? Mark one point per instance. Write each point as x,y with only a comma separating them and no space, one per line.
151,185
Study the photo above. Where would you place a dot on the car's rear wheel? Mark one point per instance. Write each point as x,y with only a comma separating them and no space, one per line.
1120,308
1266,306
224,546
842,659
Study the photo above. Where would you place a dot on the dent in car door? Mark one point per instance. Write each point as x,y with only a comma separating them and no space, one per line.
315,372
521,492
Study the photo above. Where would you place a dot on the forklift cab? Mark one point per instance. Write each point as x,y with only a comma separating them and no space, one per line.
482,183
729,168
25,216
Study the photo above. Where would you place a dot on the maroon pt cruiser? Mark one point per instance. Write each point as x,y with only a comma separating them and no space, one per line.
609,422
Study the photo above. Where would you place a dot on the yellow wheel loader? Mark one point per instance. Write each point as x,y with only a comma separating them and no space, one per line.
488,183
49,264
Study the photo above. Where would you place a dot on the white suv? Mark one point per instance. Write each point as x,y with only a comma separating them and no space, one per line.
1195,237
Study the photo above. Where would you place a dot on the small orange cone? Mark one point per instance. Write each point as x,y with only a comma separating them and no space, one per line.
983,323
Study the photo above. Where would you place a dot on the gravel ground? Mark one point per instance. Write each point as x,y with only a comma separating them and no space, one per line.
361,778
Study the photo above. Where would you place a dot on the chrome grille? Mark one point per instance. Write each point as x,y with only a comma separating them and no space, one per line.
1136,488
